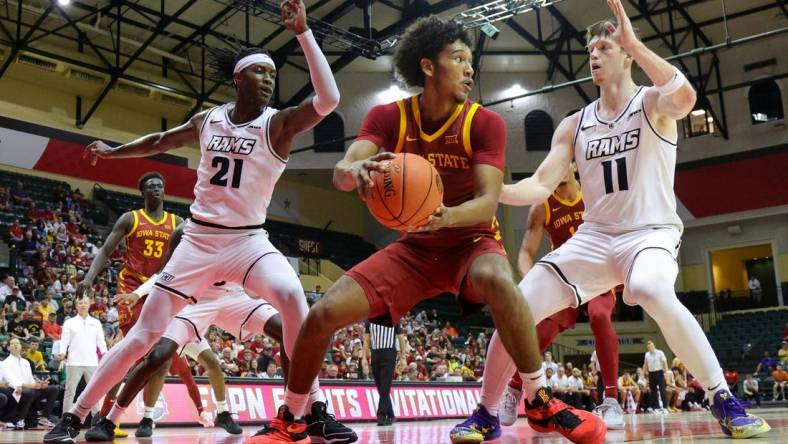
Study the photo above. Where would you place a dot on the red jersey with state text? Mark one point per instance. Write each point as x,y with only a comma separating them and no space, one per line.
472,135
146,244
562,218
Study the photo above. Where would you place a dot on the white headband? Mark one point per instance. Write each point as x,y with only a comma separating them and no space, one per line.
253,59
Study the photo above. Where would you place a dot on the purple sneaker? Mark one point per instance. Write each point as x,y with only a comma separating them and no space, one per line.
733,419
481,426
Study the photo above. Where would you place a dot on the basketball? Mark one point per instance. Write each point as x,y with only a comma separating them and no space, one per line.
406,193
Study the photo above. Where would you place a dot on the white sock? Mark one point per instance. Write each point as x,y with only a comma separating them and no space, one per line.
221,406
532,382
498,371
315,394
296,402
148,412
115,414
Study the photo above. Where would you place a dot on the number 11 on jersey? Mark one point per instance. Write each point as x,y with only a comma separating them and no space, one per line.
621,170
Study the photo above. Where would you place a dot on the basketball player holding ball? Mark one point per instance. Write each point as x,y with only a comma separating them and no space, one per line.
457,250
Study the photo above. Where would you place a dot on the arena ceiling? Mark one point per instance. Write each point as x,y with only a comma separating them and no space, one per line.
161,44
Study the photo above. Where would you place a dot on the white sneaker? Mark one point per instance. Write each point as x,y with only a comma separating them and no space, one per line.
508,409
206,419
20,425
611,413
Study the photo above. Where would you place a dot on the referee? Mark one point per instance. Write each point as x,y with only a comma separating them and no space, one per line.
655,363
381,344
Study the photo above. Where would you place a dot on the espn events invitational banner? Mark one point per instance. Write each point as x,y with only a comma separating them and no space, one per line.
255,401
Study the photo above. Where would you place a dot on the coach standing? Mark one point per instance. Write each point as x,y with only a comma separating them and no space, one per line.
655,364
82,336
380,344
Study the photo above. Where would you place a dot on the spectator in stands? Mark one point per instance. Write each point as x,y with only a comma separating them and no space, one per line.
34,355
767,364
35,395
628,387
642,381
20,195
28,246
439,373
45,307
34,325
65,311
15,300
46,276
227,363
449,330
780,378
4,335
271,371
551,379
548,362
782,354
732,378
5,199
580,395
6,287
332,371
754,285
244,361
51,328
16,234
751,389
16,328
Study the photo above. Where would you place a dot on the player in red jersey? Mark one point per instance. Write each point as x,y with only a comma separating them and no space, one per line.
457,251
559,217
147,233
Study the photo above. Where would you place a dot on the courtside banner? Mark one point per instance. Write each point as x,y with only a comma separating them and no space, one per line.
257,400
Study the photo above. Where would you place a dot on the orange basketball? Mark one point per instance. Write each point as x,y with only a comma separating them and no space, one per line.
406,194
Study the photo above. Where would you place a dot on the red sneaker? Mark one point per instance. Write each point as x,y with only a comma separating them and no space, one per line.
283,429
548,414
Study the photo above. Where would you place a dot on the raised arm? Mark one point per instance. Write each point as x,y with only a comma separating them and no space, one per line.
535,189
154,143
291,121
122,227
673,97
532,239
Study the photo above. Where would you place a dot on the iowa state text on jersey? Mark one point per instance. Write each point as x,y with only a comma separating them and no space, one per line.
608,146
230,144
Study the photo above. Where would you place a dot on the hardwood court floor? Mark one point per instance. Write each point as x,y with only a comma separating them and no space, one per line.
674,428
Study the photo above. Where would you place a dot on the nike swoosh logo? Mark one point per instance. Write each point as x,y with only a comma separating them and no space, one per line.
215,121
583,128
295,428
554,209
409,139
477,238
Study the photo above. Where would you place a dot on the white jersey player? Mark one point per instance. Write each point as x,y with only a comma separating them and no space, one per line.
244,146
624,145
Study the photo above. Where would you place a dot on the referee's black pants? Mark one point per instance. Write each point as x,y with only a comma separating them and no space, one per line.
656,382
384,361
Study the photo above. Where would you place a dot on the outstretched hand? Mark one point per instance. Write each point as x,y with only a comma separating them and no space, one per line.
96,150
294,15
623,35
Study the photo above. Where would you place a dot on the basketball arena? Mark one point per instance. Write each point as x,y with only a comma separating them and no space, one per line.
393,222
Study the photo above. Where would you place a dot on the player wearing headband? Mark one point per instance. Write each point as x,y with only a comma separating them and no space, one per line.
244,148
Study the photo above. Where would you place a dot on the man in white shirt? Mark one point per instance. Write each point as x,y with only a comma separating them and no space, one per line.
552,379
27,390
655,363
82,335
548,362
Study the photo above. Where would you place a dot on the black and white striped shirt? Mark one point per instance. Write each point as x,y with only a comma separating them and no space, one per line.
381,337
